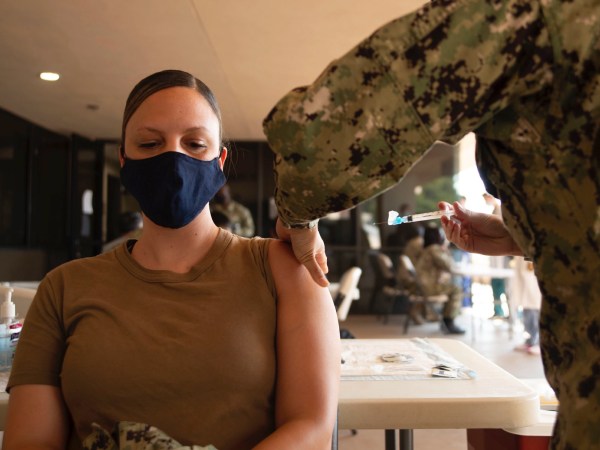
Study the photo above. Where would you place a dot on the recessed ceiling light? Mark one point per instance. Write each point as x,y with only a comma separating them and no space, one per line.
49,76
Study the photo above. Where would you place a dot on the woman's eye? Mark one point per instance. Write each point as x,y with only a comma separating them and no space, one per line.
150,144
196,145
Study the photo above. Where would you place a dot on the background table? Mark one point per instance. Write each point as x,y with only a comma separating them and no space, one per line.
476,271
494,399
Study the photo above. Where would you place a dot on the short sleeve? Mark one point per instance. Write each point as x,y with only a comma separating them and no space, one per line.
41,347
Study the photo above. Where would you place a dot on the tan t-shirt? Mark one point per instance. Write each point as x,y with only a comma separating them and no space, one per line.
192,354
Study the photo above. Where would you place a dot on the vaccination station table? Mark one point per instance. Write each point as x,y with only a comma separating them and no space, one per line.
388,384
400,392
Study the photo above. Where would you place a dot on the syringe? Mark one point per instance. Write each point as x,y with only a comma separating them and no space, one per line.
395,219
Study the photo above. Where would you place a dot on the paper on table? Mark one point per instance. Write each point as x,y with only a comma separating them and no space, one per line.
363,361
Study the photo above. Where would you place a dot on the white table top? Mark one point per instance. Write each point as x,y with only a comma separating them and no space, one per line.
494,399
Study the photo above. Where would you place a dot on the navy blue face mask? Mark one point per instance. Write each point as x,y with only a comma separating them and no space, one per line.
172,188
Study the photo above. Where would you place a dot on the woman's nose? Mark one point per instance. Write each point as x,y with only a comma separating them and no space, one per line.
173,145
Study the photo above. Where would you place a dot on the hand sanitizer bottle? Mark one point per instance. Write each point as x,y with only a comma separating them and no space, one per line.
10,330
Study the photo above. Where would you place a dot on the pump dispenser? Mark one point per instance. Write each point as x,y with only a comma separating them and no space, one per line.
10,329
7,309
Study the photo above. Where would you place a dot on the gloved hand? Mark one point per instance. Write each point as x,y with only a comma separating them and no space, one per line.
478,232
308,248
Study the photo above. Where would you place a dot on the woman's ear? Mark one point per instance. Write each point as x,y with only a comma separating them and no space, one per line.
222,157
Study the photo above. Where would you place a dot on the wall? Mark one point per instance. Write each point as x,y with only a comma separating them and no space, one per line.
44,177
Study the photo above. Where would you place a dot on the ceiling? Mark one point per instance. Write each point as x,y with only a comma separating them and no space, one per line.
249,52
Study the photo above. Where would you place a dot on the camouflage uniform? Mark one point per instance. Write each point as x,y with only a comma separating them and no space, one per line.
239,216
525,77
134,436
434,266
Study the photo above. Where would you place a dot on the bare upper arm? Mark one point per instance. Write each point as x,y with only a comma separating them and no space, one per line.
308,342
37,418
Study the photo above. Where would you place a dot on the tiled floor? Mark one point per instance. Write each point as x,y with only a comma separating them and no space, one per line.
492,338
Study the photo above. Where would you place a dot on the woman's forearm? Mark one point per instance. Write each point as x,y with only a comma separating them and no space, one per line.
300,433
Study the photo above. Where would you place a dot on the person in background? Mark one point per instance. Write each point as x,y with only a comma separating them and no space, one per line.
239,216
401,234
419,312
524,77
414,247
526,293
221,220
207,337
434,270
498,262
130,227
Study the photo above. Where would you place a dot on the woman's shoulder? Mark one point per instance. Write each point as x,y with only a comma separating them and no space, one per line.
81,266
268,247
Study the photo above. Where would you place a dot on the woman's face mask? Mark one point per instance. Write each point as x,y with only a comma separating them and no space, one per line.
168,141
172,188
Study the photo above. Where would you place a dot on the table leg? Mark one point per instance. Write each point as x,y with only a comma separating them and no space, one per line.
406,439
390,439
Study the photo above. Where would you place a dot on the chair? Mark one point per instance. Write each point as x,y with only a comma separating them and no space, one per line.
344,293
347,292
386,286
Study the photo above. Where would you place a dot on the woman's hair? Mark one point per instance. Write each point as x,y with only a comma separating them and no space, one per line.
164,80
433,235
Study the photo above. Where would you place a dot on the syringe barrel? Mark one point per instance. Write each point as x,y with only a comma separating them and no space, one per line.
427,216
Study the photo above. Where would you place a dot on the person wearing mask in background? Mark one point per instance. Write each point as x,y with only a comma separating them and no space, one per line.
434,270
188,336
239,216
524,76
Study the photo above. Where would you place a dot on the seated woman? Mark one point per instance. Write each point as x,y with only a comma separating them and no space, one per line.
433,267
211,338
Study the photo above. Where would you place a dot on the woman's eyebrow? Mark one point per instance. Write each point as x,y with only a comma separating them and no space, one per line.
199,128
188,130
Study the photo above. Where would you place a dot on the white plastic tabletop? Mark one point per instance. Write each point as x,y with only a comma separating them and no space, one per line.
493,399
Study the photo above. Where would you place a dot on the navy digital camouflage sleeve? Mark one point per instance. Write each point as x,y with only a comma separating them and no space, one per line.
435,74
525,77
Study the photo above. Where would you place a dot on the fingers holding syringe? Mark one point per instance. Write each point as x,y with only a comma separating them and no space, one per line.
456,227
